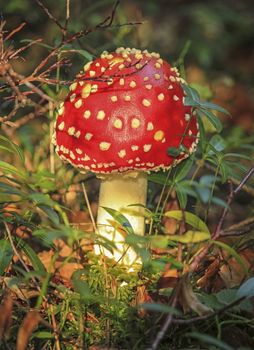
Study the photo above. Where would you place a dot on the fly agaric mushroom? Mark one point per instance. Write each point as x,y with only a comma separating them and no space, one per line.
121,117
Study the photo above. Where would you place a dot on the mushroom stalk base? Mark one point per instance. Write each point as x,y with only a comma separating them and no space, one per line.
117,192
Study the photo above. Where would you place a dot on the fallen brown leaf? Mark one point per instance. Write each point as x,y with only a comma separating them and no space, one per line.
5,316
142,297
27,327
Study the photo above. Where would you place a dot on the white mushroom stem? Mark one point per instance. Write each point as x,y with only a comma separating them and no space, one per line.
118,191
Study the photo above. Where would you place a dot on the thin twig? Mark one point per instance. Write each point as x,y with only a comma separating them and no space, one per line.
55,328
208,316
239,229
14,31
244,180
23,48
218,229
67,18
67,10
14,248
89,207
229,201
51,130
234,181
160,335
49,14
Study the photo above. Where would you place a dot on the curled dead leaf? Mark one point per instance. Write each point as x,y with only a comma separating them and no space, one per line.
142,297
27,327
5,316
189,299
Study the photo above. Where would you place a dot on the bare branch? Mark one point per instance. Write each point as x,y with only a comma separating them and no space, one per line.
14,31
229,201
218,229
23,48
160,335
239,229
49,14
208,316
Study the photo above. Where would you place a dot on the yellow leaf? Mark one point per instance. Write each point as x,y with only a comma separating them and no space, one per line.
191,237
190,300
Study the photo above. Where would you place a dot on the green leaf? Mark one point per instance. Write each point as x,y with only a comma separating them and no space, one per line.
220,202
173,152
183,169
191,92
215,121
204,91
41,199
218,143
203,188
181,196
6,149
42,335
11,169
32,256
8,189
52,215
191,237
44,180
12,147
85,54
160,241
246,289
37,43
228,296
208,339
48,235
210,105
225,171
202,137
162,308
6,255
159,264
120,219
133,239
237,155
83,289
232,252
210,300
188,101
159,178
189,218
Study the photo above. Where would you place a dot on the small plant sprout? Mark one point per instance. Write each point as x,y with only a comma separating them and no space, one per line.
123,118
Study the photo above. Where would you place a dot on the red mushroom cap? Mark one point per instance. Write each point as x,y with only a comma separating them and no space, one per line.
123,113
